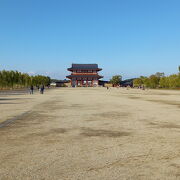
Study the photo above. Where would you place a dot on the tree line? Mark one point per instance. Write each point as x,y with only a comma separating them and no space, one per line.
15,79
115,80
158,80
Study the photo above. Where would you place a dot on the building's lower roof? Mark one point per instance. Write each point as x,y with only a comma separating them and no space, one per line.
85,76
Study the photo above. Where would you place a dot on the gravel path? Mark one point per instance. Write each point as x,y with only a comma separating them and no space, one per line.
90,133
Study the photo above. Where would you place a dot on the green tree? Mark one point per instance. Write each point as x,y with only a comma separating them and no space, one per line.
159,74
154,81
164,82
115,80
15,79
137,82
174,81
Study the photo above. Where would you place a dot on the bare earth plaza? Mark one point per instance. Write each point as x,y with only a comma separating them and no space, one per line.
89,90
90,133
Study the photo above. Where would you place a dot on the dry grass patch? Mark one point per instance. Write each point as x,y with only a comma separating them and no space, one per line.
165,125
51,132
88,132
134,97
176,103
112,114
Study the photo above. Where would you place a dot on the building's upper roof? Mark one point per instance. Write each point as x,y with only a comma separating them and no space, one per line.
84,67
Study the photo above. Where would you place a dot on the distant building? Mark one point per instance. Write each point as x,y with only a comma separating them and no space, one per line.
127,82
53,84
104,83
60,83
84,75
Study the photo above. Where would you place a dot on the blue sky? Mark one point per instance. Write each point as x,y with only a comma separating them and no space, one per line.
127,37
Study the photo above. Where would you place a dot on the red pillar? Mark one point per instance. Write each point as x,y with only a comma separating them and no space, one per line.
81,82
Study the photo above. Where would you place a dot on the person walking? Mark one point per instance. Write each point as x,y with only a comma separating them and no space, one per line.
31,89
42,89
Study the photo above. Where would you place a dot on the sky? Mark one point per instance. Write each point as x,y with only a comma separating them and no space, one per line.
126,37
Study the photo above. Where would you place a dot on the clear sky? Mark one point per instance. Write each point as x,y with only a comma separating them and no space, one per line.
127,37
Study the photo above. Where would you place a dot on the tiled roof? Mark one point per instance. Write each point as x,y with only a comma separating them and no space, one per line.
85,76
84,66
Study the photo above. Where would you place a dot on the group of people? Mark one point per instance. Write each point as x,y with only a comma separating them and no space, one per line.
41,89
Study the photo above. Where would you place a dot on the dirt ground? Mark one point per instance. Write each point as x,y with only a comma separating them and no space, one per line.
90,133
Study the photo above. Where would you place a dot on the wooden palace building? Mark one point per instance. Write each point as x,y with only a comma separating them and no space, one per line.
84,75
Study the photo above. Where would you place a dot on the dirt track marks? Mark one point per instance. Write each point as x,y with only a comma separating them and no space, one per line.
88,132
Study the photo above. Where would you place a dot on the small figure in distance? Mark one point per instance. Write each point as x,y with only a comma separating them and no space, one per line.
31,89
143,87
107,87
42,89
128,87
